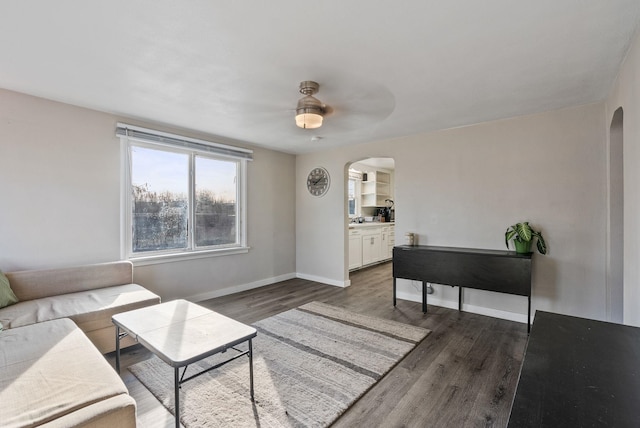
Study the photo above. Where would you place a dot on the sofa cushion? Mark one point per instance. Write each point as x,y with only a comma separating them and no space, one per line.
7,297
90,310
34,284
49,370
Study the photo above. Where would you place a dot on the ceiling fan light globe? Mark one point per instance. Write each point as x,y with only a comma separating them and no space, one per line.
309,120
310,110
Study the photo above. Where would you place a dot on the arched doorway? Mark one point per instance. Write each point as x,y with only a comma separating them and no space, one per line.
370,212
615,274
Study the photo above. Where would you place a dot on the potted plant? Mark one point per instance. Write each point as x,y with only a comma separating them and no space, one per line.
522,235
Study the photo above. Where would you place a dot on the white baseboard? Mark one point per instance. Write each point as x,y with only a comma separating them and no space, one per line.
322,280
241,287
453,304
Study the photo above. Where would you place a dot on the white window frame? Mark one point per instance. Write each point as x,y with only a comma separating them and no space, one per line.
357,192
134,136
357,177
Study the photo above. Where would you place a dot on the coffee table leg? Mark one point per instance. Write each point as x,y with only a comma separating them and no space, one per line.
177,396
118,349
251,367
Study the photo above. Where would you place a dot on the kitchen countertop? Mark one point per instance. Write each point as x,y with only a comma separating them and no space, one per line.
370,224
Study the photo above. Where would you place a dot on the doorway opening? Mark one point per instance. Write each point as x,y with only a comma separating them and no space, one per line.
615,274
370,221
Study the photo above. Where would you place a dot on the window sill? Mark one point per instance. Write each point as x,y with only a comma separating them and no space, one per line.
178,257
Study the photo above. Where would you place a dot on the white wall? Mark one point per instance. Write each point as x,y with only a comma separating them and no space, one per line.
626,94
463,187
60,187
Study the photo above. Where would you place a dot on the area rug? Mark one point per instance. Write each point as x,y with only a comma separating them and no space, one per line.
310,365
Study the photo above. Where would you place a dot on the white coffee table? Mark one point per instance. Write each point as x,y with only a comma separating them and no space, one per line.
180,333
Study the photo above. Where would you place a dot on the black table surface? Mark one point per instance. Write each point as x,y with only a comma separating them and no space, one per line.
578,373
462,250
481,269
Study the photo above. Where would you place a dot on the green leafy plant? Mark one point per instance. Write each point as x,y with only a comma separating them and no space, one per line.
522,235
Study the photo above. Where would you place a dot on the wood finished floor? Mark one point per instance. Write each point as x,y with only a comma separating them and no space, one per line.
463,374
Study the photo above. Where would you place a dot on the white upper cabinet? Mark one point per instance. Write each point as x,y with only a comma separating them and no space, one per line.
376,189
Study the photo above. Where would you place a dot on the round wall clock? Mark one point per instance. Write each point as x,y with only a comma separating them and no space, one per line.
318,181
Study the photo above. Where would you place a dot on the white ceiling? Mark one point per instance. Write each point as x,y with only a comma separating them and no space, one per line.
387,69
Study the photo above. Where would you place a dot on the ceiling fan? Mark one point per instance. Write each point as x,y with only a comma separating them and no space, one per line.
345,105
355,104
310,110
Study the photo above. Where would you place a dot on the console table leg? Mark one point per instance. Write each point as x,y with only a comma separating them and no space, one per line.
529,317
424,297
394,291
459,298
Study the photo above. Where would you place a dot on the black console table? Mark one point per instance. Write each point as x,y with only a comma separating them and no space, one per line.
492,270
578,373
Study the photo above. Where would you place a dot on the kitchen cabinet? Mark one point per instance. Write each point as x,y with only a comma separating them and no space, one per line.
355,249
387,242
370,243
392,241
376,189
371,246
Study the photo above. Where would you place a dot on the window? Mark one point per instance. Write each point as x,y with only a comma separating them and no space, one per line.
354,192
353,206
181,196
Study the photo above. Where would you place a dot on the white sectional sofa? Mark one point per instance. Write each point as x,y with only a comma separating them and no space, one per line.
89,295
51,374
52,371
